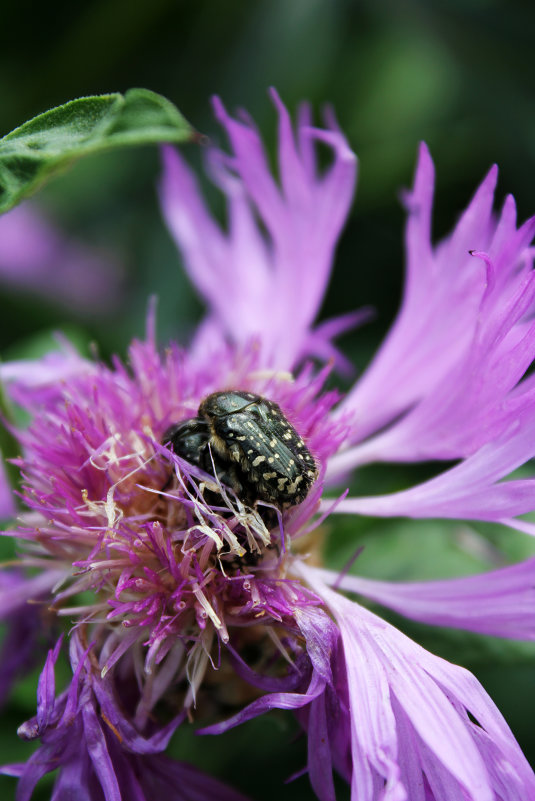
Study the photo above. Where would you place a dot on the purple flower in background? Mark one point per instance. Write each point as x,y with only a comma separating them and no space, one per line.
193,596
35,257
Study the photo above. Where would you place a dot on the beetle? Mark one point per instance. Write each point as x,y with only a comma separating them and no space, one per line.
251,445
190,439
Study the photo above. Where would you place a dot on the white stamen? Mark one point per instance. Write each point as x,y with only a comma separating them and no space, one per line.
208,608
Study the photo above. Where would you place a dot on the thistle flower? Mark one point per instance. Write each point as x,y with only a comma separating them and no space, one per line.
188,596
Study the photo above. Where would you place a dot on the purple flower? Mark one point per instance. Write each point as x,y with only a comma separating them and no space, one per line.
192,586
36,258
82,733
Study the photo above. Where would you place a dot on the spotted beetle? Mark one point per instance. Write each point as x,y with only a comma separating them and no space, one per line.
255,450
190,439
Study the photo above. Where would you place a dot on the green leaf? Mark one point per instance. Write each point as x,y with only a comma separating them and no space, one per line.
49,143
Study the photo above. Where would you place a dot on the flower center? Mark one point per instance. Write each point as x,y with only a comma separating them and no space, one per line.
171,548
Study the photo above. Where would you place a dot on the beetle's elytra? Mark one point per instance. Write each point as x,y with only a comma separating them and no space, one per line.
251,445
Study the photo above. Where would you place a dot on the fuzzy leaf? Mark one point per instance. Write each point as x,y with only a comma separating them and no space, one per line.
50,142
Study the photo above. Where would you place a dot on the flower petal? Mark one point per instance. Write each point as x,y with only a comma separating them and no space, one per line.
472,490
252,276
386,673
480,396
500,602
33,382
439,318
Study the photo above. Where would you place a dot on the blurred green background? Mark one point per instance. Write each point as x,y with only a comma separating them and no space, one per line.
455,73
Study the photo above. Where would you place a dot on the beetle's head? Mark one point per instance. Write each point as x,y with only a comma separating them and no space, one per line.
221,404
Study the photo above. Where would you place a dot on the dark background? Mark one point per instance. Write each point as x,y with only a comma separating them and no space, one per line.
457,74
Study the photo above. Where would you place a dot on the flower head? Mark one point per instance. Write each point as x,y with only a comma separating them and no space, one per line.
168,536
